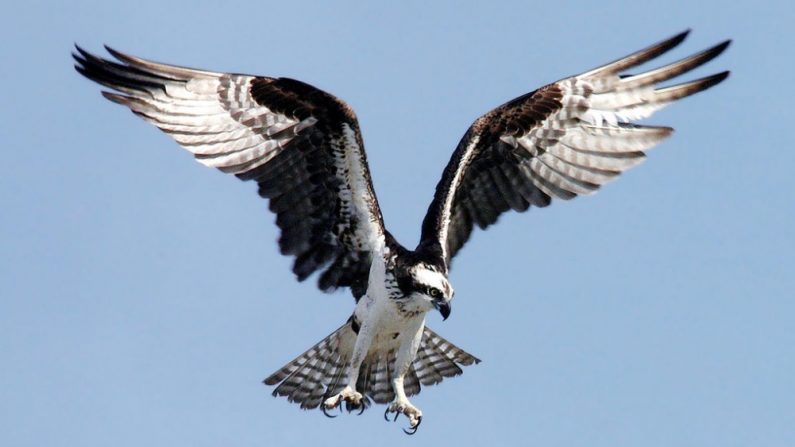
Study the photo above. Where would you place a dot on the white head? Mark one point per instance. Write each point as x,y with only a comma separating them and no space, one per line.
425,282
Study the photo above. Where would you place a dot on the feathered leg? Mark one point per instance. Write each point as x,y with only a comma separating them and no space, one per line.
403,361
349,393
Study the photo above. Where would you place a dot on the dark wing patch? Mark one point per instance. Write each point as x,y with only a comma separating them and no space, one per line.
300,144
561,141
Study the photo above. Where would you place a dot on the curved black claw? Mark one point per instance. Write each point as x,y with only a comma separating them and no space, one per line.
361,406
325,412
386,415
413,429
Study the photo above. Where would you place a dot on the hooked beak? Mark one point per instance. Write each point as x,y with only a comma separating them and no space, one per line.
443,306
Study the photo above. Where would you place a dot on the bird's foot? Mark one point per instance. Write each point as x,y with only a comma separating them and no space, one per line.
403,406
353,400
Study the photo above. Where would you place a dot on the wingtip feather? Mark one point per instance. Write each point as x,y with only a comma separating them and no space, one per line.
118,55
721,47
639,57
686,89
78,47
674,69
82,55
665,45
682,35
711,53
710,81
115,97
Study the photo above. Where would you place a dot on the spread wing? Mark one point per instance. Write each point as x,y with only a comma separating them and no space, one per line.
560,141
301,145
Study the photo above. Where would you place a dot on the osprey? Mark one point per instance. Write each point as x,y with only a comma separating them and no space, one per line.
304,149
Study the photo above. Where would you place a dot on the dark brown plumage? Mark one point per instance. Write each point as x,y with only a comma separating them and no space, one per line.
293,139
560,141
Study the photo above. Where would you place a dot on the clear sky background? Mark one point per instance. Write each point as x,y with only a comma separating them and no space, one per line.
143,297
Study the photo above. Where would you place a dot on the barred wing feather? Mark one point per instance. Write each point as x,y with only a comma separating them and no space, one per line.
563,140
300,144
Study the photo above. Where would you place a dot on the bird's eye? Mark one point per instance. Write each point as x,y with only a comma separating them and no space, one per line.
435,292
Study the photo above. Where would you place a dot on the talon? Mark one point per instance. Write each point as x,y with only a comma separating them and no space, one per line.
325,412
397,413
413,429
351,398
351,406
386,412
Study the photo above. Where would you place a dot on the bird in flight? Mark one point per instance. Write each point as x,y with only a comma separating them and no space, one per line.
303,147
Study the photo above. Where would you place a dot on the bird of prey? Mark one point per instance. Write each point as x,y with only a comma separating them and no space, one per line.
303,148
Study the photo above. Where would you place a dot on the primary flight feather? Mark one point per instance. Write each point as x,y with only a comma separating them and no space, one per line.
303,147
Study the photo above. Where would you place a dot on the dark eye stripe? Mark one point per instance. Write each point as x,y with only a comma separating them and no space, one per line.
407,287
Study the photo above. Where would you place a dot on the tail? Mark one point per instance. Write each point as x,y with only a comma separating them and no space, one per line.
436,359
318,373
321,372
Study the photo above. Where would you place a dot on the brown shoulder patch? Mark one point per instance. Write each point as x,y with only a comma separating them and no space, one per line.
300,100
518,116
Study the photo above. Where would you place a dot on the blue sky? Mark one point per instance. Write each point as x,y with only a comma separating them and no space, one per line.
143,298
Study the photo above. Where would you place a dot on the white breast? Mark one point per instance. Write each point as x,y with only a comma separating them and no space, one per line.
381,313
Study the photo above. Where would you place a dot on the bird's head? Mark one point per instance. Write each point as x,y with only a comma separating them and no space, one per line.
425,282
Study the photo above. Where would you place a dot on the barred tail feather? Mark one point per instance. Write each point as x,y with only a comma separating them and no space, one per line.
320,372
436,359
